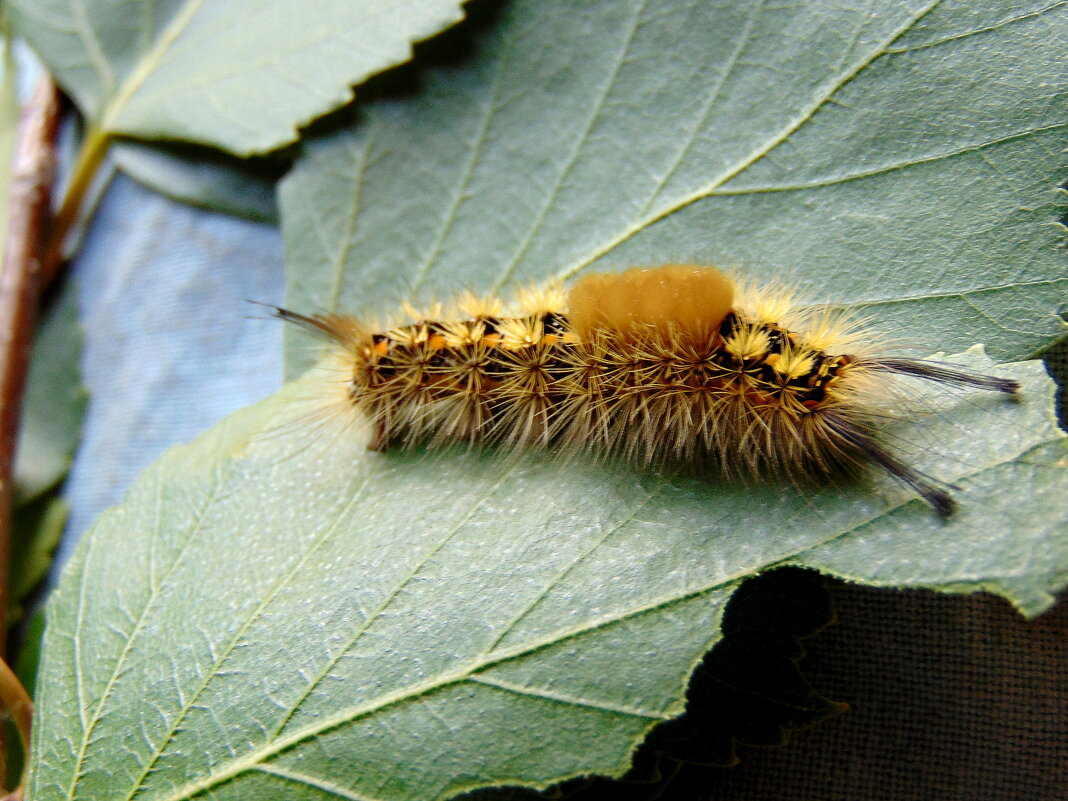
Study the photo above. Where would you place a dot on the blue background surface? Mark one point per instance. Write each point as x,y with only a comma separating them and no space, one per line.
171,345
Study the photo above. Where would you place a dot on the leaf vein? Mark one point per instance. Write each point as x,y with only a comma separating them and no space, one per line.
762,151
560,698
314,782
977,31
93,48
340,259
732,62
955,293
198,526
465,182
510,626
228,649
76,643
888,168
583,137
152,59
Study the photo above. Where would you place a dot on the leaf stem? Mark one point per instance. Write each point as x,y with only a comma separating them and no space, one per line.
20,286
91,155
16,701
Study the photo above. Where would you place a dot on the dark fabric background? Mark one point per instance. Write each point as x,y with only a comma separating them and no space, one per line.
951,698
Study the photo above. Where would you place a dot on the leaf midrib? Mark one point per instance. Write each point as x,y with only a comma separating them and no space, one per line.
148,64
93,48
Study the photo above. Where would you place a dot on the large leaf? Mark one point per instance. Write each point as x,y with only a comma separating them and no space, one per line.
266,617
242,75
272,616
904,159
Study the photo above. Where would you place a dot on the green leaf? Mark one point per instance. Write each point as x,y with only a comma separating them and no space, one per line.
55,400
53,408
275,612
52,411
904,160
242,75
204,177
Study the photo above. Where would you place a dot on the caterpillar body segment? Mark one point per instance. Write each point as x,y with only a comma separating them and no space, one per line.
671,365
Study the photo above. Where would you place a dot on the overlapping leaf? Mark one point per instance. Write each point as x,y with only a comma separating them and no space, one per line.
55,400
205,178
53,407
241,75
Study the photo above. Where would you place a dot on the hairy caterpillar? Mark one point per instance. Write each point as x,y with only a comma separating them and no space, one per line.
668,365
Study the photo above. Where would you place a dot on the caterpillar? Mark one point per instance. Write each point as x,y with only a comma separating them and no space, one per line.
677,364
